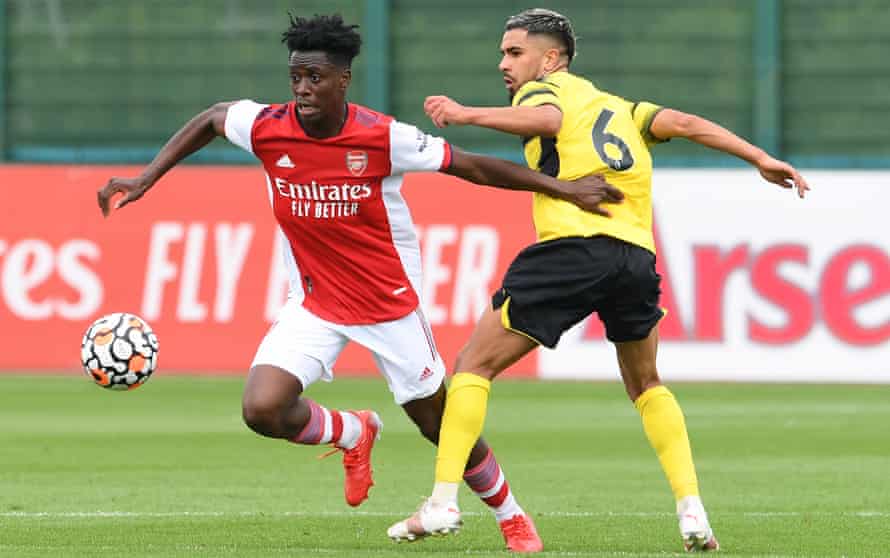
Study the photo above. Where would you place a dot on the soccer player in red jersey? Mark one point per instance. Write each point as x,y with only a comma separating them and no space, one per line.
334,172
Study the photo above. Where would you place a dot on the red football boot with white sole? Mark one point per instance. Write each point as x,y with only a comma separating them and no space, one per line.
358,478
520,534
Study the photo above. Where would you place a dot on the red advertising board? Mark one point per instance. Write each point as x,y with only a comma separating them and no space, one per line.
760,285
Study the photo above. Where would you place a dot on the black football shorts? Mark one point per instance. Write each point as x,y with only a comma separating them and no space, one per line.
553,285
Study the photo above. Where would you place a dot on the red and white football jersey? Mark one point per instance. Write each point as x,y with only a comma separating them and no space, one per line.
354,254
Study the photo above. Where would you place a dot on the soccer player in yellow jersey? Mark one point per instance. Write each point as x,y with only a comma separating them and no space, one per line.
583,263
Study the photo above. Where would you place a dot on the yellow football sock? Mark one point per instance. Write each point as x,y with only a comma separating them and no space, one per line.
666,430
462,423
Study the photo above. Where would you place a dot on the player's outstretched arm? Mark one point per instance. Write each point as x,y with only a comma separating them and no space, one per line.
198,132
587,192
670,123
541,120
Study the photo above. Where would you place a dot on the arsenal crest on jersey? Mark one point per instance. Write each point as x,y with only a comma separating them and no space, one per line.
356,162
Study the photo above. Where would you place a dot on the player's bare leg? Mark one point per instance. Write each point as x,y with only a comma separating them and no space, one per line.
490,350
483,475
666,430
272,406
427,415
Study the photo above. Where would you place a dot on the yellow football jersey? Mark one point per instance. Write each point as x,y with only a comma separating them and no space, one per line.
600,134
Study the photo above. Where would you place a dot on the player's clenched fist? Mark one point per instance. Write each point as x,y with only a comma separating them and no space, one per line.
444,111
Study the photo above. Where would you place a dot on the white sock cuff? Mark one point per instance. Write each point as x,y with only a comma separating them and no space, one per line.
445,492
690,504
352,429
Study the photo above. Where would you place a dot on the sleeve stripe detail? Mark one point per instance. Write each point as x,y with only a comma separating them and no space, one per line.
648,124
411,150
534,93
548,82
240,119
277,114
446,157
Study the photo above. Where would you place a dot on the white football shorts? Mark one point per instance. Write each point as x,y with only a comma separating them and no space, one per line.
307,346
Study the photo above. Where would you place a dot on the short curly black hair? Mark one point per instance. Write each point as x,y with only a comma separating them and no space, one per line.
325,33
539,21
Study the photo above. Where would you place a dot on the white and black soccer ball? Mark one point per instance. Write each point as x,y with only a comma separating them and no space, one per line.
119,351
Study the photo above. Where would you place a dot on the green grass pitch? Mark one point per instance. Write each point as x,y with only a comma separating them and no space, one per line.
169,470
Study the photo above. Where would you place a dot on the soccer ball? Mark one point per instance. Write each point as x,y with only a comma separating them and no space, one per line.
119,351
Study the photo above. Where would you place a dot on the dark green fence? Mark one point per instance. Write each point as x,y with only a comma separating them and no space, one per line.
109,81
836,82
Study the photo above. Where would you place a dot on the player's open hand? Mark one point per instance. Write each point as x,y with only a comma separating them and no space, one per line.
783,174
444,111
131,188
590,192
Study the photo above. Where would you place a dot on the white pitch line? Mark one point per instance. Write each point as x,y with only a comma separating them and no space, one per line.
377,551
175,514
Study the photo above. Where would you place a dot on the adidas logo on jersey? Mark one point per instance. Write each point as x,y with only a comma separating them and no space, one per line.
285,162
427,373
